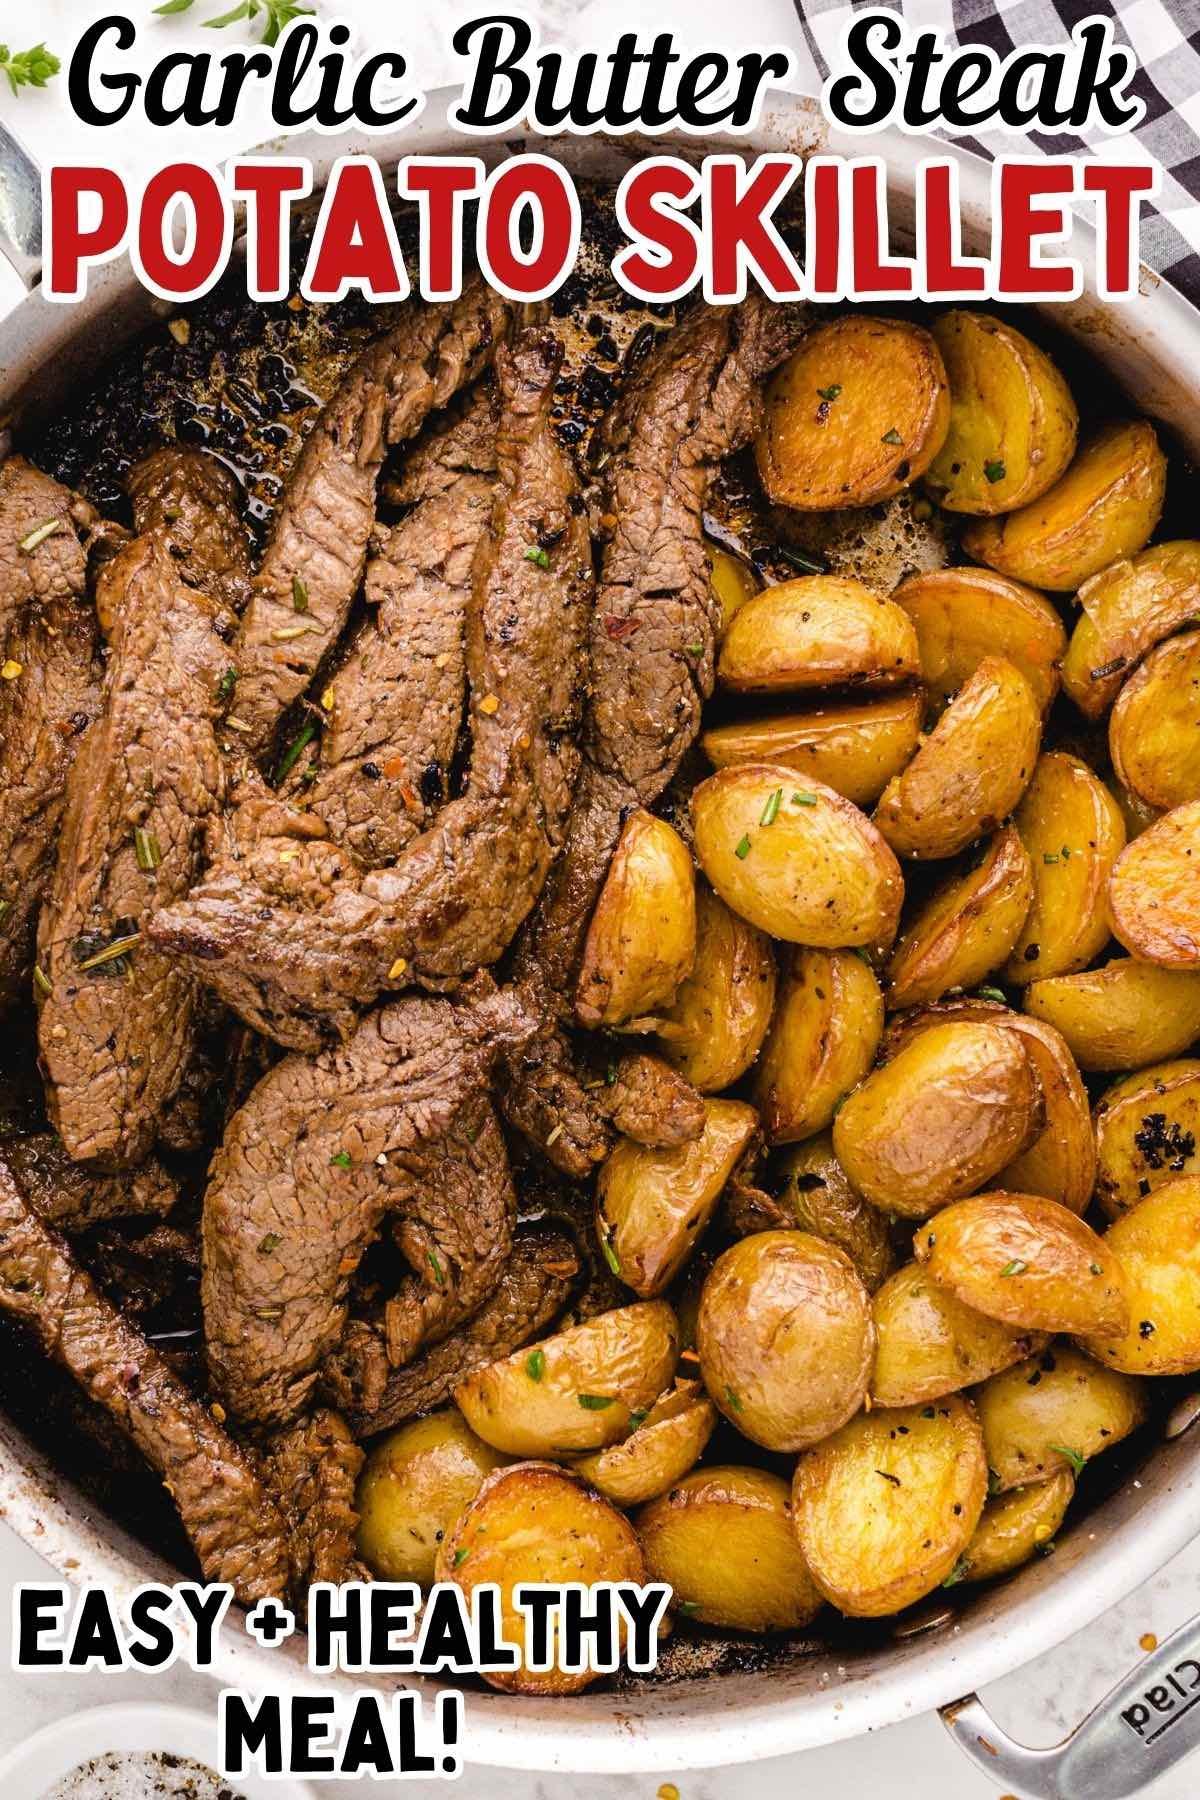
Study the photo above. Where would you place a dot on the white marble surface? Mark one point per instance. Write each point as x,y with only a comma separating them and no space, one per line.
914,1761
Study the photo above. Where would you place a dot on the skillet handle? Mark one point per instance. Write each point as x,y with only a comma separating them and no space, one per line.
20,209
1147,1724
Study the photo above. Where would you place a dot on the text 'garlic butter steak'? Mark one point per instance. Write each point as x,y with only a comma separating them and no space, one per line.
308,1168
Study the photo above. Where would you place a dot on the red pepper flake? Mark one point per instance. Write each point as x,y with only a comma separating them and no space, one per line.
619,629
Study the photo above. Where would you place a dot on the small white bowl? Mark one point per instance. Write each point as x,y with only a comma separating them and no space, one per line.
65,1745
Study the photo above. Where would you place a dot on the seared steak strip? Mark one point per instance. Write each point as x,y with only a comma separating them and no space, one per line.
231,1520
191,502
65,1194
313,1466
647,1100
464,444
306,1171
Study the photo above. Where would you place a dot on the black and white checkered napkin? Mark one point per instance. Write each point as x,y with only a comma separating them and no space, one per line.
1165,38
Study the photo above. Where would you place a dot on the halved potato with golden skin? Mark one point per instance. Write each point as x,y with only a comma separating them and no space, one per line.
854,747
1054,1412
940,1119
963,615
1127,609
1122,1016
1146,1130
1013,421
1015,1527
1154,891
971,770
641,942
1027,1261
1158,1245
965,929
885,1507
414,1484
824,1034
796,859
722,1538
858,412
1104,507
818,631
785,1338
577,1390
652,1206
658,1451
733,582
533,1522
715,1026
929,1344
1154,729
1073,830
813,1189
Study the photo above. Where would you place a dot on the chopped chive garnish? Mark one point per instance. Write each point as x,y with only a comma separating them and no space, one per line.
226,686
831,392
342,1159
802,797
695,649
742,849
1050,856
460,1557
733,1400
993,993
110,953
146,850
957,1573
439,1274
637,1417
1016,1267
39,534
770,811
594,1402
535,1364
291,755
994,470
538,556
800,559
610,1255
41,980
1074,1457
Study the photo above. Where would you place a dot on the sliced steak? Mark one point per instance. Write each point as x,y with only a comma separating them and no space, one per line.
44,534
464,443
647,1100
192,502
313,1466
65,1194
231,1520
308,1167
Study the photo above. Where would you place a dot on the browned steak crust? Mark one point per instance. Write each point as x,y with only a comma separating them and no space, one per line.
313,1466
65,1194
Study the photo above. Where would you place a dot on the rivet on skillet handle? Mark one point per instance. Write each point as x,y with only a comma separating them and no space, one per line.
1148,1723
20,209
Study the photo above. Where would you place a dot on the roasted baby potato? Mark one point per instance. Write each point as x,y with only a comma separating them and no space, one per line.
818,631
1122,1016
733,582
966,928
859,411
823,1038
1027,1261
812,1188
1154,891
1015,1527
715,1027
941,1118
1073,830
1154,729
1128,608
652,1206
577,1390
1052,1413
1103,508
723,1539
963,615
785,1338
854,747
801,863
415,1483
1146,1131
971,770
885,1508
658,1452
533,1522
641,942
1158,1245
1013,421
929,1344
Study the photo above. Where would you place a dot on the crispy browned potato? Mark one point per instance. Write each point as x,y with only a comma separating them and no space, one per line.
966,928
971,770
823,1038
652,1206
723,1540
785,1338
714,1029
814,1192
641,942
1054,1413
1158,1245
885,1507
1073,830
1104,507
941,1118
818,631
533,1522
658,1451
414,1484
733,582
1027,1261
1146,1131
1128,608
1122,1016
1154,729
929,1344
859,411
854,747
963,615
577,1390
1154,891
799,862
1013,421
1015,1527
